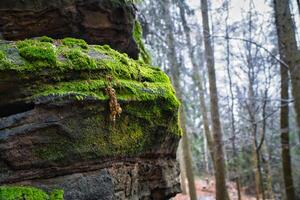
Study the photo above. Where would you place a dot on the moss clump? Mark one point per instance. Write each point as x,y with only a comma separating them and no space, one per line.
73,42
45,39
27,193
39,53
137,35
57,195
2,55
79,59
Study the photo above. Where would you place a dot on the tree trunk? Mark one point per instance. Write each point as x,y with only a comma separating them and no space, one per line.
288,51
238,188
183,178
198,82
284,127
220,172
267,167
174,69
289,54
298,4
233,129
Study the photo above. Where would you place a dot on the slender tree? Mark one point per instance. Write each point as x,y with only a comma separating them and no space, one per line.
288,50
220,171
231,107
289,54
198,81
175,73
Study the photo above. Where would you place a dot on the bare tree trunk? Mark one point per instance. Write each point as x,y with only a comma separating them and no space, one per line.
198,82
174,68
264,148
220,172
206,157
238,188
256,149
182,169
287,44
290,55
233,129
270,193
258,175
284,126
187,158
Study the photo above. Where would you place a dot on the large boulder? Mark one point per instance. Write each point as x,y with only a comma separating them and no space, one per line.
86,119
96,21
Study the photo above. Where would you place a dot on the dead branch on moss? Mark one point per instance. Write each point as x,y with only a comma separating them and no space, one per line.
114,106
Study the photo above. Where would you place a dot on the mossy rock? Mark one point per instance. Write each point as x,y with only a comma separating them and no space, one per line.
55,91
28,193
56,60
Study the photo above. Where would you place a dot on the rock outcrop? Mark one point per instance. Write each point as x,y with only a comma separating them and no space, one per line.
85,119
96,21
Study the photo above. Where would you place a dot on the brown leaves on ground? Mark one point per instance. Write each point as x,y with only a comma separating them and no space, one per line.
206,191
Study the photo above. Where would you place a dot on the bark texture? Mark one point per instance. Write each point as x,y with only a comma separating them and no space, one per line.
290,55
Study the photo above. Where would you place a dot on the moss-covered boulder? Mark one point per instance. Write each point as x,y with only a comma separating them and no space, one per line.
69,109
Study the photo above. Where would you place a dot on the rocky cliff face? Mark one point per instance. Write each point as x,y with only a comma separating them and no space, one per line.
86,120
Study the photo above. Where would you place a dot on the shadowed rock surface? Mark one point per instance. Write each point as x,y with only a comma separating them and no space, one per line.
56,127
96,21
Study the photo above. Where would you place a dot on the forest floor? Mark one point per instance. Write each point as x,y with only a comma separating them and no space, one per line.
207,191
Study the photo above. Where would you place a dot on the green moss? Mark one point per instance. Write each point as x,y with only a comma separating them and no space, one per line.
39,53
36,56
2,55
126,90
73,42
137,35
130,135
70,69
45,39
27,193
79,59
57,195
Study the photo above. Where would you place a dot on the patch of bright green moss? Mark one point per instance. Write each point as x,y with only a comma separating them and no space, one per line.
137,35
45,39
73,42
57,195
36,56
79,59
28,193
37,52
2,55
126,90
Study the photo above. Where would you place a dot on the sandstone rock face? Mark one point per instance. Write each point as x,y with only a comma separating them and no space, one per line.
57,127
96,21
